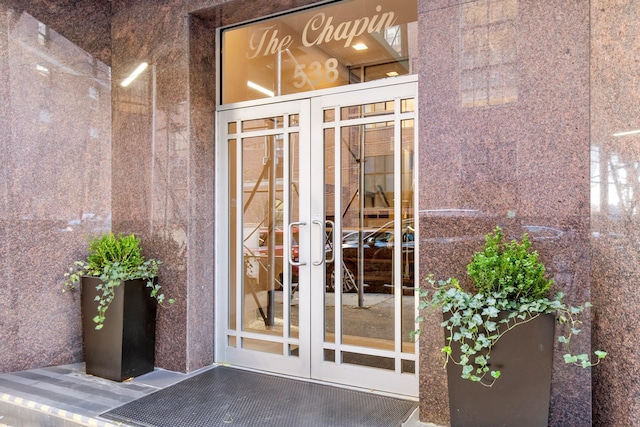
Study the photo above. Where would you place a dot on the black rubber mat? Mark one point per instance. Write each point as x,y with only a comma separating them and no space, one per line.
224,396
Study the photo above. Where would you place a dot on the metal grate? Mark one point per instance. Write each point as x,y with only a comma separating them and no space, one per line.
226,397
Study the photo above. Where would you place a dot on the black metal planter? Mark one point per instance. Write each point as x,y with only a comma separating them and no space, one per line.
520,397
125,346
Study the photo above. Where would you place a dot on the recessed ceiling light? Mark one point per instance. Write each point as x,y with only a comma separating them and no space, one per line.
261,89
392,73
360,46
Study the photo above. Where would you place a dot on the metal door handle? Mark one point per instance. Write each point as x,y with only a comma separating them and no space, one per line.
289,249
323,242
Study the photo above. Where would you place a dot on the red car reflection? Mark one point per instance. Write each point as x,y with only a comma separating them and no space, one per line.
258,258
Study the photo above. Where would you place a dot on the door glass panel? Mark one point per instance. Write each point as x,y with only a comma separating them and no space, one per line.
329,115
262,345
408,235
359,359
330,215
408,367
367,110
351,218
259,234
294,215
367,248
263,233
262,124
407,105
233,236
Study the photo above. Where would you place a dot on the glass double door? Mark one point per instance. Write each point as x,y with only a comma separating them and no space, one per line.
316,237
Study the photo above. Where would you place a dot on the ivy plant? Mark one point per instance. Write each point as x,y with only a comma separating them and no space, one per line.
114,259
510,290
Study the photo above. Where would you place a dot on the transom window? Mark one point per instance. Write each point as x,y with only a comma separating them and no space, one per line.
342,43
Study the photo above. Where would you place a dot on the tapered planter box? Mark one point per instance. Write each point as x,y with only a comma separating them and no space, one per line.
125,346
520,397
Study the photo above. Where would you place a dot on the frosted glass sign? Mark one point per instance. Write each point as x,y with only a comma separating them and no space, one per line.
332,45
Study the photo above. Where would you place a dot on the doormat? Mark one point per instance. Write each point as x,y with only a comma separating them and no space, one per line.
228,397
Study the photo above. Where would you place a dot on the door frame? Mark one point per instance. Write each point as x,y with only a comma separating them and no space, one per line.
295,366
350,374
317,370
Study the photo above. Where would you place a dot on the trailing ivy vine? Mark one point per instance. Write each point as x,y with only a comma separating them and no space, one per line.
508,279
114,259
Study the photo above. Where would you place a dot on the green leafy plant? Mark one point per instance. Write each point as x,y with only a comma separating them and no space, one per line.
510,290
114,259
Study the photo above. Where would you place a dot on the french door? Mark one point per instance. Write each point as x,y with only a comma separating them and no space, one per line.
315,237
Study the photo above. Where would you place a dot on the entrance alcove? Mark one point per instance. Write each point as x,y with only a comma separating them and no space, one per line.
203,87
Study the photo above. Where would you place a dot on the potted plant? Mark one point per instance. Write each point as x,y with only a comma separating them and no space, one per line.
116,277
499,335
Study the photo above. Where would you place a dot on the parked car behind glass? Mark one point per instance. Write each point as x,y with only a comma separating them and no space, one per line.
377,259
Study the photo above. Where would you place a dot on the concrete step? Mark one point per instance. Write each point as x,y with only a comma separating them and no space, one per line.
18,412
65,396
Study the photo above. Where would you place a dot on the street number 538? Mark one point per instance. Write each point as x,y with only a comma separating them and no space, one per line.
316,73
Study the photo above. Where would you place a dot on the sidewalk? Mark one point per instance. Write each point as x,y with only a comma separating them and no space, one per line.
64,396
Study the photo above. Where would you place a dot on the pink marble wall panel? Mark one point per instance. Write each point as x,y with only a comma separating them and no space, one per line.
151,153
55,149
504,101
202,100
615,225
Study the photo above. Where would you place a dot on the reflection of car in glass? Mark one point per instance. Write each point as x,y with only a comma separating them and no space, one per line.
377,259
261,255
350,238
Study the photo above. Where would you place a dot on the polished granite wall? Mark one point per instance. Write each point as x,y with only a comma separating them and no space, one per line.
55,173
505,128
151,159
504,135
615,225
164,122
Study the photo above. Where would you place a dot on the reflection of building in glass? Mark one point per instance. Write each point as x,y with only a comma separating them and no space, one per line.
263,160
368,164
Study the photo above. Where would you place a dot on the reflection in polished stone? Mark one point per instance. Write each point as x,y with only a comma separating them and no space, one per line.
55,150
488,53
